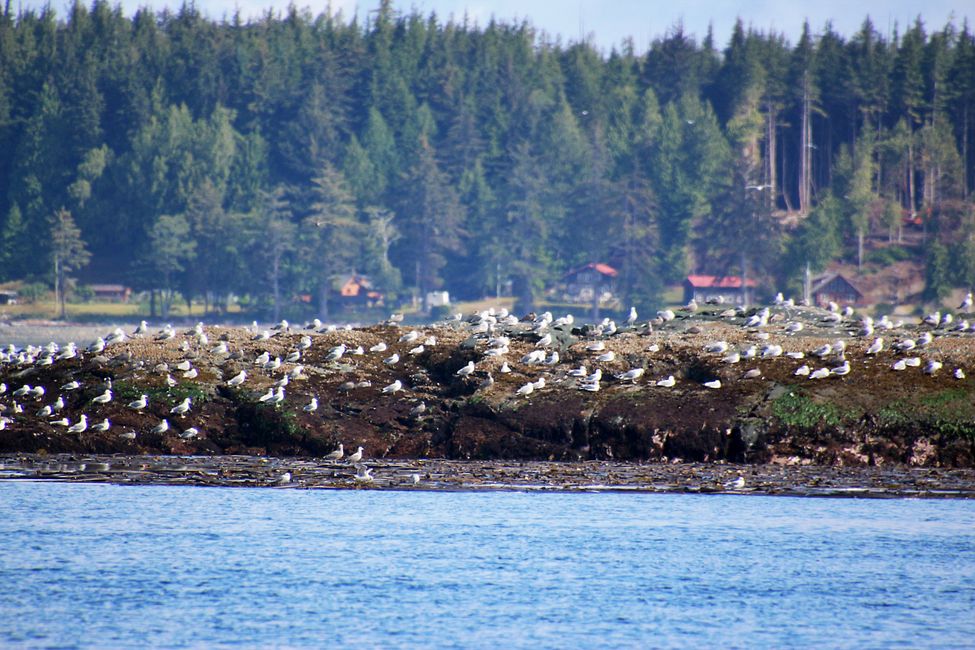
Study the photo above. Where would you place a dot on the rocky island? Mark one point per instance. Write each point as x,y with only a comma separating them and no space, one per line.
779,386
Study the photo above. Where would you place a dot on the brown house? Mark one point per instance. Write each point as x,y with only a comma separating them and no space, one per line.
111,292
709,288
357,290
834,287
594,280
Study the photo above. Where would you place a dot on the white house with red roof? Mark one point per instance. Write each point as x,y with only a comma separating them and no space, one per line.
717,288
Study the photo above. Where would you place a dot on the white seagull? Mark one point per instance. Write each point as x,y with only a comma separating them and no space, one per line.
140,403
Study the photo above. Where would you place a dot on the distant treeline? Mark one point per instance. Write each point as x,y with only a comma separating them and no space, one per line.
265,157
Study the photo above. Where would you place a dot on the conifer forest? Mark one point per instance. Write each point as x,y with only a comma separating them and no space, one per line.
207,158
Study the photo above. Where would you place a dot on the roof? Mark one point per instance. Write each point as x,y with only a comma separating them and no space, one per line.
718,281
119,288
605,269
818,284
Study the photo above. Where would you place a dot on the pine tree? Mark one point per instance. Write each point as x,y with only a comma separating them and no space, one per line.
432,222
331,234
68,252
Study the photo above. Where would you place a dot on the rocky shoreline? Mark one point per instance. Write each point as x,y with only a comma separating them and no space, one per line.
402,392
533,476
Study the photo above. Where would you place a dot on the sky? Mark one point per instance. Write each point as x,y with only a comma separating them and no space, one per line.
609,22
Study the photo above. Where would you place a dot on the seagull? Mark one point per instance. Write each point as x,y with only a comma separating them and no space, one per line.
237,379
631,375
127,435
190,433
266,396
606,356
104,425
81,425
23,390
505,368
714,383
914,362
184,365
820,373
393,387
182,408
802,371
278,396
356,457
305,342
877,346
45,412
736,484
959,373
669,382
335,353
363,474
754,373
527,389
379,347
966,304
418,410
466,370
900,364
718,347
544,341
104,398
391,360
170,381
841,370
63,422
337,454
632,317
58,404
581,371
311,406
140,403
596,346
293,356
932,367
487,383
262,358
191,373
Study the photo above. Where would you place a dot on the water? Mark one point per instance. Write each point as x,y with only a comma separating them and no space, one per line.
109,566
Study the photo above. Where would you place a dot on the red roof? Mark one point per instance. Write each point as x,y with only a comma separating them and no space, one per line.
718,282
605,269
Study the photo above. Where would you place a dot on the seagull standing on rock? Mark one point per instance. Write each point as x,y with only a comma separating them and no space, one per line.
337,454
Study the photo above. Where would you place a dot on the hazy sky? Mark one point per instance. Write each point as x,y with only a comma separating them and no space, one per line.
610,21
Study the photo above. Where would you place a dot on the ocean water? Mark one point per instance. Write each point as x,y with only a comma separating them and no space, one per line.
109,566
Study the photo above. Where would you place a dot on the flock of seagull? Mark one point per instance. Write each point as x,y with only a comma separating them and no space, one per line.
490,336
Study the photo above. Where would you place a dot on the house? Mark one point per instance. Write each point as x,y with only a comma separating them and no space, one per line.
354,289
589,282
834,287
111,292
713,288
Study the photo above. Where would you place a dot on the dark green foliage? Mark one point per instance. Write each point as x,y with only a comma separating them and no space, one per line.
444,155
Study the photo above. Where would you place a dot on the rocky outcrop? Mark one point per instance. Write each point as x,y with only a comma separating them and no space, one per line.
872,416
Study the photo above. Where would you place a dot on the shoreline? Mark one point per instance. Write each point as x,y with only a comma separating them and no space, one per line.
482,476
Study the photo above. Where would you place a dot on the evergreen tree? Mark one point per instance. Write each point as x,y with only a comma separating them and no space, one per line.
433,218
68,253
331,233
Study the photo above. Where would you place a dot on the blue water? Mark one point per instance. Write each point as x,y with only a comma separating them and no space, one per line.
108,566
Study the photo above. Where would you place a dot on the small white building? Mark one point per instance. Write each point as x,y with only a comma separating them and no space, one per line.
438,298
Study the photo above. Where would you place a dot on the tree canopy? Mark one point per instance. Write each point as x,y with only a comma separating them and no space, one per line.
279,152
